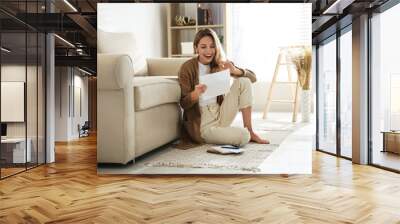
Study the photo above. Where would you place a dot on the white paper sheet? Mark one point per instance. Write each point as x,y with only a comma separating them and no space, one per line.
217,83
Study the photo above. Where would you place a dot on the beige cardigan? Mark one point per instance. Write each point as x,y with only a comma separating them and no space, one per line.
188,79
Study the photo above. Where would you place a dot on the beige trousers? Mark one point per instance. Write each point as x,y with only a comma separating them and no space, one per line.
216,120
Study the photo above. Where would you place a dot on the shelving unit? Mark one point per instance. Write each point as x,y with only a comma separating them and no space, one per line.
178,34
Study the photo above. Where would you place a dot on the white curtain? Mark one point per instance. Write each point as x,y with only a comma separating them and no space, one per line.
259,29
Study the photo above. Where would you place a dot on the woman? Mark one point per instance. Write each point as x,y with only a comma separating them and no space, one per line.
209,120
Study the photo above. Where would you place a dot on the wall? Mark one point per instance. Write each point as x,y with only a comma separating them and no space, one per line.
68,82
62,80
17,73
79,117
152,38
146,21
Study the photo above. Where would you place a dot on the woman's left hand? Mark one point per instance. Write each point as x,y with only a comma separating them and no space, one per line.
232,69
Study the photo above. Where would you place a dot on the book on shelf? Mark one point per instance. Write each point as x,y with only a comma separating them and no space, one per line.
204,16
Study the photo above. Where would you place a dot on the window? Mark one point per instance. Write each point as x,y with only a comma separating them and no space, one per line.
327,95
258,30
22,78
385,85
346,93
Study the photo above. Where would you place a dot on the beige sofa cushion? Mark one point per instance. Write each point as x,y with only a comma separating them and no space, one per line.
153,91
123,43
165,66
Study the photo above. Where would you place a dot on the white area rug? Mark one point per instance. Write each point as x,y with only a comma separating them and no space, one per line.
249,160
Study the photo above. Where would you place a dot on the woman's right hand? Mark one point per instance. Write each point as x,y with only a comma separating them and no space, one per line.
198,90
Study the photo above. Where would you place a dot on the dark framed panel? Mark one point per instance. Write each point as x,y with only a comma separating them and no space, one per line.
329,110
23,60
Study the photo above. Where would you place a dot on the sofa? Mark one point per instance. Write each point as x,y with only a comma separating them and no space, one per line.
138,99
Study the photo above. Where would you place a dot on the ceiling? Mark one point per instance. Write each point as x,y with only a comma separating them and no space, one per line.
76,20
76,24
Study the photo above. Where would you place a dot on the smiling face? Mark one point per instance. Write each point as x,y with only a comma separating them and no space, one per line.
206,50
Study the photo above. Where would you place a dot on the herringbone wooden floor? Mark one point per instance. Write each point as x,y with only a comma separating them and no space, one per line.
70,191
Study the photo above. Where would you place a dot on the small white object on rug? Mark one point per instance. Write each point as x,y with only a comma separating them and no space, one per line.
224,149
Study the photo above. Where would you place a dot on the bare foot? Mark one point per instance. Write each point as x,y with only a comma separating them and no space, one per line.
255,138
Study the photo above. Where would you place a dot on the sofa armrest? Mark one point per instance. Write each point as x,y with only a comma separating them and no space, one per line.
114,71
115,109
164,66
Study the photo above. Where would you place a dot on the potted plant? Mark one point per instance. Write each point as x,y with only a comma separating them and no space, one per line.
302,57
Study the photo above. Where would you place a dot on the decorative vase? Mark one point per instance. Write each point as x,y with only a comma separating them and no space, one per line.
305,105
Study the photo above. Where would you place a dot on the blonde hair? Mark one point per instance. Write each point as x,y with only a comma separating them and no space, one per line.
219,51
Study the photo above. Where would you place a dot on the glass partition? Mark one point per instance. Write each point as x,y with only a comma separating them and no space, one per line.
327,95
13,105
22,88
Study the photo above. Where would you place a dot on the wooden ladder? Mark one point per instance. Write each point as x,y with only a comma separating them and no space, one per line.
283,59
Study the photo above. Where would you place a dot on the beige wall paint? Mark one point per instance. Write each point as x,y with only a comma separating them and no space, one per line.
34,125
17,73
66,119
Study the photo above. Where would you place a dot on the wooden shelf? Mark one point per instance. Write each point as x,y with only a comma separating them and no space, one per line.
182,27
210,26
180,34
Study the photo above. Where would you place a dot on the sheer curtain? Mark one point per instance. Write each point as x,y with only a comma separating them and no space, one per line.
258,30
